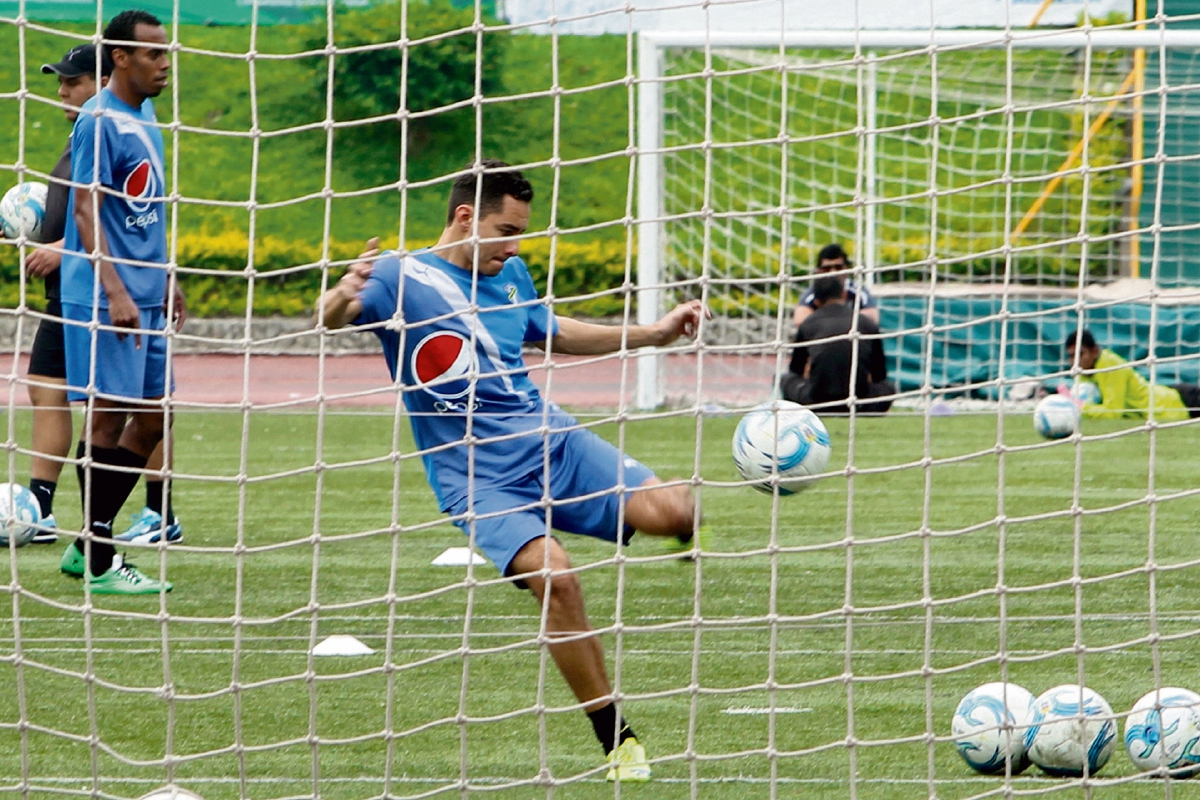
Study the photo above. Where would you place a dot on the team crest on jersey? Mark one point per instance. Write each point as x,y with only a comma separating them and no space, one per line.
511,289
442,363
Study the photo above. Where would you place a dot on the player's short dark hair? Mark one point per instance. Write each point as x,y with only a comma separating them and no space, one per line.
832,252
123,28
829,287
498,183
1084,337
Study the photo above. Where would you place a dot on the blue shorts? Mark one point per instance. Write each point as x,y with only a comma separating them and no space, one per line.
581,463
123,371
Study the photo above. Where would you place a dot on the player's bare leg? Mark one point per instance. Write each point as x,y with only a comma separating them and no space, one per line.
670,512
52,436
658,510
580,660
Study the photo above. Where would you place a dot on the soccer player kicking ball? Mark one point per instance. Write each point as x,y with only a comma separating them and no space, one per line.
122,151
452,322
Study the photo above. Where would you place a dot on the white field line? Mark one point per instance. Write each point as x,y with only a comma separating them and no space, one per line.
764,710
86,782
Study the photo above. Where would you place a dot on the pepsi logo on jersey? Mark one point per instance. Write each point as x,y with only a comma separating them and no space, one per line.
141,184
442,364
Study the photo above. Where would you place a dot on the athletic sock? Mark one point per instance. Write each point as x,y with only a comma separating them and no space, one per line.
158,497
110,490
604,722
44,492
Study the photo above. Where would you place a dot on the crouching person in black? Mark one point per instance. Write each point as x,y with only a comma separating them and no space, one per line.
820,372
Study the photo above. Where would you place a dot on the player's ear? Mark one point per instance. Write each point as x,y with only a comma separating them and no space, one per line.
464,215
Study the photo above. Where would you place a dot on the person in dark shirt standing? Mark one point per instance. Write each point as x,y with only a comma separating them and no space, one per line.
820,372
52,434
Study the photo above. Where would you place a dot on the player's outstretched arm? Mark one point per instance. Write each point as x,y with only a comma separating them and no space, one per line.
587,338
340,305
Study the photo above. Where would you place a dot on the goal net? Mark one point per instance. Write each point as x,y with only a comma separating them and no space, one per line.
331,633
959,168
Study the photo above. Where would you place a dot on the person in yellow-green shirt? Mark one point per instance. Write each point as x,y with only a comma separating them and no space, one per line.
1125,393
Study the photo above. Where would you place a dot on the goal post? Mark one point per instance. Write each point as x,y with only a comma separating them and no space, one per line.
968,158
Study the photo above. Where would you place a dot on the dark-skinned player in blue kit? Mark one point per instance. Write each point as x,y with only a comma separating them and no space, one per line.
453,321
115,279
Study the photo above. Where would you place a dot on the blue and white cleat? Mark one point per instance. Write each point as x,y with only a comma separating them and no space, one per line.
43,536
147,528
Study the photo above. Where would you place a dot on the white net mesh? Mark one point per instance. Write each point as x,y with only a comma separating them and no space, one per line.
819,644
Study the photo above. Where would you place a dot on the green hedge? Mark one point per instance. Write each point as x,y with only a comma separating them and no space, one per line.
222,290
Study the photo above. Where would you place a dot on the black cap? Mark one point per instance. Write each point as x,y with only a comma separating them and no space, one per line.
78,61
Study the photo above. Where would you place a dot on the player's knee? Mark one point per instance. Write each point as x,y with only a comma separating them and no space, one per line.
47,397
563,592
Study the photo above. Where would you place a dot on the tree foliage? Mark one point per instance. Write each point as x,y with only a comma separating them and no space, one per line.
441,65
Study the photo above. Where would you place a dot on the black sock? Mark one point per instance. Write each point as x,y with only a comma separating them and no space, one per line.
110,490
44,492
604,722
158,498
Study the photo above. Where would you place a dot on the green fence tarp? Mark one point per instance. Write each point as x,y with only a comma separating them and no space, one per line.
191,12
965,346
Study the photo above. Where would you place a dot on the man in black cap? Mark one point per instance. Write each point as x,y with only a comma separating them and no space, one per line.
52,434
824,367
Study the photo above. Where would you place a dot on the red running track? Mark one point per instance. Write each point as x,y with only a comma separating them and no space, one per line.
363,381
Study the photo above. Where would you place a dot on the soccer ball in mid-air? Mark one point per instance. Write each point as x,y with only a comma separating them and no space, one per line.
23,209
1056,417
19,512
1088,393
1163,730
1070,728
989,727
784,438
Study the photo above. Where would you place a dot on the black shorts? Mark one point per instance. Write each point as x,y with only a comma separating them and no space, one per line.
48,358
1189,393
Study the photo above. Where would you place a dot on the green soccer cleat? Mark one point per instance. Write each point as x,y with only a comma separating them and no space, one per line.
685,549
123,578
73,563
628,763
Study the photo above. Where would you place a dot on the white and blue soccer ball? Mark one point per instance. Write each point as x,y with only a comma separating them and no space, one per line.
1070,728
1087,392
1163,730
1056,417
23,209
784,438
19,513
989,727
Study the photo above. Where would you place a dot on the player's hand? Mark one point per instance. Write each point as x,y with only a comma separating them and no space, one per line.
1065,391
358,272
124,314
179,307
41,262
683,320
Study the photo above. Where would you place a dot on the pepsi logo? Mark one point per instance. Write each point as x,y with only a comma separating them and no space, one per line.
141,184
441,364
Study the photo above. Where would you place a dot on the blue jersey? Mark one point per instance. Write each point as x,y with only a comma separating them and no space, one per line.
865,300
127,159
451,361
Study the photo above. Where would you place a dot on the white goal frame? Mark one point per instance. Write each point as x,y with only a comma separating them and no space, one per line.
650,148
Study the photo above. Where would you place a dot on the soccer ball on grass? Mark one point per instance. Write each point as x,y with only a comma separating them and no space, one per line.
784,438
1056,417
23,209
989,727
1070,727
1163,730
19,512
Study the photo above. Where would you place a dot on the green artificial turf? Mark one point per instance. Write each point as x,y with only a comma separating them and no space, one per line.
222,681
